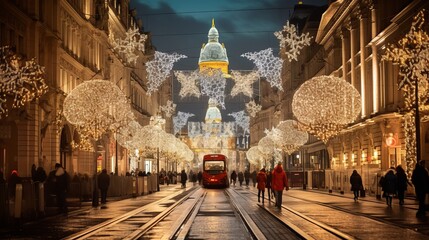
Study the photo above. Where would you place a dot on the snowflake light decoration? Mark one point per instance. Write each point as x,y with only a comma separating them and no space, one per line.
252,108
159,69
290,42
133,41
188,83
241,120
268,66
180,120
243,83
213,85
169,108
20,80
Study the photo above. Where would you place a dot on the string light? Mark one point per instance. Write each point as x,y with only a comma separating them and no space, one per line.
268,66
324,105
128,46
180,121
213,85
243,83
188,84
411,53
20,80
291,137
290,42
252,108
169,108
242,120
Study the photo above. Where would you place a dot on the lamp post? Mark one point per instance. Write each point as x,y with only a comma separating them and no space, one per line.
417,121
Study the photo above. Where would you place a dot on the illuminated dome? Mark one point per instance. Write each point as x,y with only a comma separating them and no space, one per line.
213,114
213,54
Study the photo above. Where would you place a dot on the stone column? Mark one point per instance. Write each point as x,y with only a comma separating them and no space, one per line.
364,84
375,68
353,46
345,49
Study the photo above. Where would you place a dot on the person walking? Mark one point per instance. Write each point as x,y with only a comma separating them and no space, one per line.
200,177
356,182
389,186
420,179
254,180
40,175
268,186
402,183
61,187
103,184
183,178
261,178
247,177
278,183
240,178
233,177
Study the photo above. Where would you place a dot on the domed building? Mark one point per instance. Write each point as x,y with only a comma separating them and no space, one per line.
213,114
213,54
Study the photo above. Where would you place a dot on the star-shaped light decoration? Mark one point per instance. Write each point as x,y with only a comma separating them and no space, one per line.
290,42
252,108
169,108
243,83
21,81
268,66
188,84
128,46
160,68
180,120
213,85
242,120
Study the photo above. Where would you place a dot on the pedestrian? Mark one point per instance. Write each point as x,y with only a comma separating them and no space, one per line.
356,182
33,172
402,183
40,175
420,180
183,178
200,177
247,177
61,187
13,179
254,180
279,182
233,177
240,178
261,178
389,186
103,180
268,186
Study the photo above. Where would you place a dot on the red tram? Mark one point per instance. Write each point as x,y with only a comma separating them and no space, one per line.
215,171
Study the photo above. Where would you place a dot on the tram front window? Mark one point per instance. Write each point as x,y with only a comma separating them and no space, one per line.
214,167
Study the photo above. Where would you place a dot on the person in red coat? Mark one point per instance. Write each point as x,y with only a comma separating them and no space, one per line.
261,179
278,183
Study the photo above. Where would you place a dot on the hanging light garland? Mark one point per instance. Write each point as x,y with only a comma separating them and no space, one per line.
180,121
412,55
97,106
324,105
21,81
213,82
169,108
242,120
160,68
243,83
268,66
252,108
188,84
128,46
290,42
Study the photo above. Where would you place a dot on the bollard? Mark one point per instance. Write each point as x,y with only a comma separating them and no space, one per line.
18,201
41,192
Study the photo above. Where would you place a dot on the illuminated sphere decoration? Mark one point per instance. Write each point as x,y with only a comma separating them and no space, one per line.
254,156
324,105
98,106
292,138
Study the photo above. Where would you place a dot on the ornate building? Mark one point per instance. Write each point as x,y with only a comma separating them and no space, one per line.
70,38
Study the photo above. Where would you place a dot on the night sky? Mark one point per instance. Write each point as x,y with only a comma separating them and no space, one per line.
244,26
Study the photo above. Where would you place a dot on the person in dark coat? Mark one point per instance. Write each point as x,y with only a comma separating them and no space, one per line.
61,187
356,182
247,177
233,177
389,186
40,175
254,180
420,180
33,172
261,178
268,186
103,180
183,178
13,179
240,178
200,177
402,183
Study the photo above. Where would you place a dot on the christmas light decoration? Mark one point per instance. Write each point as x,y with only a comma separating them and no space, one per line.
254,155
243,83
412,55
21,81
159,69
180,121
290,42
266,145
128,46
188,84
252,108
291,138
213,85
169,108
268,66
97,107
324,105
242,120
